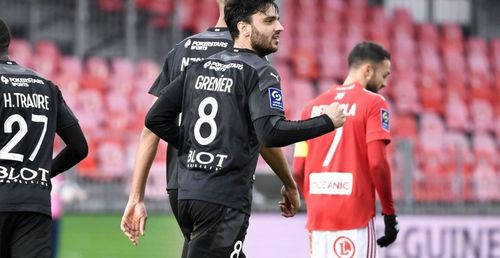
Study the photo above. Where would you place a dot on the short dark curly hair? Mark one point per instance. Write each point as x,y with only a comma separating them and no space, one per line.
367,51
4,37
242,10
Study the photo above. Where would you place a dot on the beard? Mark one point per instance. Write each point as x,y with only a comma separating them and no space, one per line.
372,86
261,44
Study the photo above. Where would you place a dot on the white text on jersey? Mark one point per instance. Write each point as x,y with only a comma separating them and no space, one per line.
20,100
349,110
25,175
188,60
205,160
209,83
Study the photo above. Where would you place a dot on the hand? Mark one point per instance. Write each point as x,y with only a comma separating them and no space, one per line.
133,221
336,114
290,201
390,232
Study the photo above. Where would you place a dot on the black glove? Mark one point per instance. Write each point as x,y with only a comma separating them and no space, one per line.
390,232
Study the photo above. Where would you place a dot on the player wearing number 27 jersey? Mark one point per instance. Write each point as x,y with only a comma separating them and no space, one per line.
339,172
32,111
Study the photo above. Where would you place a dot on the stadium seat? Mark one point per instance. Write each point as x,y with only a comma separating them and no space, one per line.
305,64
111,5
452,38
428,34
110,158
456,113
485,147
480,87
403,22
21,52
96,74
430,62
187,10
431,94
405,94
459,156
404,126
486,182
482,115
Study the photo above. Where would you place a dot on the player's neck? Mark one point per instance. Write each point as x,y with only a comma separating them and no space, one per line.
244,44
4,57
221,23
353,78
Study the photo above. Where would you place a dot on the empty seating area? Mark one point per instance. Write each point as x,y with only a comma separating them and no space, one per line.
444,90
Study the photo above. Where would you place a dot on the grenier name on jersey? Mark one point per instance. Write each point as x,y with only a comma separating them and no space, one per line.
210,83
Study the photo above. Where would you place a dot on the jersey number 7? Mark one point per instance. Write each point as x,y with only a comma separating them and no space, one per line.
333,146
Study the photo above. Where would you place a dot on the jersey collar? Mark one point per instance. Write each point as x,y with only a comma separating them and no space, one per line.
9,62
217,29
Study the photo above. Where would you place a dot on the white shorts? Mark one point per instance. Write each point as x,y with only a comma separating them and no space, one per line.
355,243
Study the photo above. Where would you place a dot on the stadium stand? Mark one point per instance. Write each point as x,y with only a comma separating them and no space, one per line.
444,90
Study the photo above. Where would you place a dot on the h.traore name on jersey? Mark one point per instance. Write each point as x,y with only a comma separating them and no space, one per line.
21,100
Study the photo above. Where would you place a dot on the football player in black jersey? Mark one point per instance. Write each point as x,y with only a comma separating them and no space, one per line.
32,111
192,49
231,106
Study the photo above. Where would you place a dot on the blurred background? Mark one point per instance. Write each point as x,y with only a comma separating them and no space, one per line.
444,93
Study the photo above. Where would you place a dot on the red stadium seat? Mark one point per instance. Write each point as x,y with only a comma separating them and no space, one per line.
485,147
110,159
431,94
456,113
482,115
20,51
404,127
405,95
111,5
187,10
486,181
452,39
480,87
428,34
305,64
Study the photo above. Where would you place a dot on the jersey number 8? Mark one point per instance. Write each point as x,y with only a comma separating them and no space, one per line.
206,119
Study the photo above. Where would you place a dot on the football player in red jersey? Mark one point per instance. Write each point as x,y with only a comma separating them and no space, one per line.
339,172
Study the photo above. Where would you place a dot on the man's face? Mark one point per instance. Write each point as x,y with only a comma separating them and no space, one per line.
379,76
266,30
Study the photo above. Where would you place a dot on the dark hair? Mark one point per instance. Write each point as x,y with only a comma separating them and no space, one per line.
4,37
242,10
367,52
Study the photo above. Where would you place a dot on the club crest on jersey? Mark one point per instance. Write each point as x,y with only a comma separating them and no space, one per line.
384,117
276,99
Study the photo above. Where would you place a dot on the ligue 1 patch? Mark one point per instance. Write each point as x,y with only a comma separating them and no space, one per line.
384,117
276,99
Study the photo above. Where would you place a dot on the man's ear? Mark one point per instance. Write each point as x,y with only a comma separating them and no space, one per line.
368,70
245,29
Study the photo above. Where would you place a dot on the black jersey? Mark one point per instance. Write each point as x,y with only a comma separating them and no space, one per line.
32,109
218,147
192,49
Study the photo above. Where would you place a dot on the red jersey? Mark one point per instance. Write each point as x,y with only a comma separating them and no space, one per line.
337,183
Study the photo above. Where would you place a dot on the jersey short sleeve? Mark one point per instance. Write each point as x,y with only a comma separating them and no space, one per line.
163,78
266,98
65,117
378,122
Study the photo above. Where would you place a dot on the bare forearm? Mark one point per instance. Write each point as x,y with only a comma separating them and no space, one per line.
148,145
275,158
